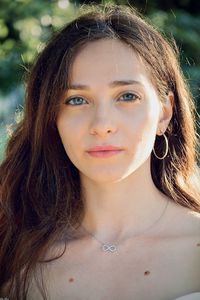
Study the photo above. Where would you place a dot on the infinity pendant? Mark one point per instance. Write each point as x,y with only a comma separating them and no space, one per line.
109,248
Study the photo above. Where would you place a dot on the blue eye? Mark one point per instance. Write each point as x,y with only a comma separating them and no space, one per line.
130,97
75,101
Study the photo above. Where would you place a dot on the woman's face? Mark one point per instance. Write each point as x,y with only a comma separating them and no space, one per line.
110,101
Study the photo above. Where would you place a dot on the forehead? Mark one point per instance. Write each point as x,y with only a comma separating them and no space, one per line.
106,60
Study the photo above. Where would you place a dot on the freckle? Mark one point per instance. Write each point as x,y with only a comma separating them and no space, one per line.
198,244
71,279
146,272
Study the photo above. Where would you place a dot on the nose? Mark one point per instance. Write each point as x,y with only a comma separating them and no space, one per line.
103,122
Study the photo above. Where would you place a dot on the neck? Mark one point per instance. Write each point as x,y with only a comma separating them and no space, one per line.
117,210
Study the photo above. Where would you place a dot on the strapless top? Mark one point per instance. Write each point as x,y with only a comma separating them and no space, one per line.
192,296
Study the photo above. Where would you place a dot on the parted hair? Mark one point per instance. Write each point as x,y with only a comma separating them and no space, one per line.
40,192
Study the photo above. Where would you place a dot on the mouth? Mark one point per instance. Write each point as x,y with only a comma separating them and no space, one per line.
104,148
105,153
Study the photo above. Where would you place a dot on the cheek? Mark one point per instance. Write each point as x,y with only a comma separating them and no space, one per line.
69,139
144,125
70,130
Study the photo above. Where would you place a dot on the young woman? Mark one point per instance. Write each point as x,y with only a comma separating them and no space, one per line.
99,186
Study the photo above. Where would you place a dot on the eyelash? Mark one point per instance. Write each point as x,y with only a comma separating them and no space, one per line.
67,101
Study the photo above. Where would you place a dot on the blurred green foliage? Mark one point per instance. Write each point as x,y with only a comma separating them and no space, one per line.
26,26
185,29
3,140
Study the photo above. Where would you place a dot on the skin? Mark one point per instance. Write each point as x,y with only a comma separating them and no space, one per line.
119,191
121,201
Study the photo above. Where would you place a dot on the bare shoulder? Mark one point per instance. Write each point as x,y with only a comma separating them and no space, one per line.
183,221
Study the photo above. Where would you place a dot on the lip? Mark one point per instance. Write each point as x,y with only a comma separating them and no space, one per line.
104,154
104,151
104,148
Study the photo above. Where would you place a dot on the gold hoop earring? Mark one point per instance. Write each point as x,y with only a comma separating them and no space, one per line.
166,151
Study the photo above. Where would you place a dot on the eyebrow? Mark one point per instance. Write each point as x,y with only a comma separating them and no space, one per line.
116,83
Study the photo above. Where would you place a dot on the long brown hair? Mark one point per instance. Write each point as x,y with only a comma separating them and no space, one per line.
39,186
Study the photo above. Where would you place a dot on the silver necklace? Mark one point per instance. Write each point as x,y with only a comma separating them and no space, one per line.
113,247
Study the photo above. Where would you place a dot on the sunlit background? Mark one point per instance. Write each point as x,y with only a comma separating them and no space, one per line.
26,26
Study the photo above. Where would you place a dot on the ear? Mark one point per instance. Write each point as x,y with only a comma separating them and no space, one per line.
166,113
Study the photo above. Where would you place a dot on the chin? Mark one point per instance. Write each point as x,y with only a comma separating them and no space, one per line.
106,176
